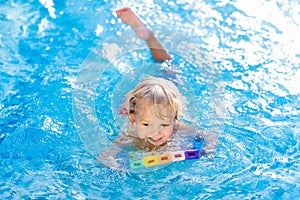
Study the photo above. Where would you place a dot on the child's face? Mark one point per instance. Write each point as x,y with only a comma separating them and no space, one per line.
149,126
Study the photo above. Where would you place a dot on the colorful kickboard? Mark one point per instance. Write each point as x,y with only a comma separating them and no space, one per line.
138,160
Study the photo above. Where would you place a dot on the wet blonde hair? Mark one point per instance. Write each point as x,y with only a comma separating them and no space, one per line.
154,92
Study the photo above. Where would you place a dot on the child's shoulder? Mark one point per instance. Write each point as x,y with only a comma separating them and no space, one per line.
182,126
186,130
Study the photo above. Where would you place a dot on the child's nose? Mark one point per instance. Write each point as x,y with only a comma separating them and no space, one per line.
154,131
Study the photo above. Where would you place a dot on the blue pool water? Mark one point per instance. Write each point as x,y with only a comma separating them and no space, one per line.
255,53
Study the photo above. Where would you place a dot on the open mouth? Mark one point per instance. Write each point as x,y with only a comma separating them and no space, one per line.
155,141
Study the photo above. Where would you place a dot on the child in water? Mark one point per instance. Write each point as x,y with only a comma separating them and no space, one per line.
154,105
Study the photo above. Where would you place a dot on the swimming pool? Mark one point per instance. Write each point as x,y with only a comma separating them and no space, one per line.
253,48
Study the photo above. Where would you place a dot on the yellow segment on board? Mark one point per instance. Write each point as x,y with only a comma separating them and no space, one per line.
150,161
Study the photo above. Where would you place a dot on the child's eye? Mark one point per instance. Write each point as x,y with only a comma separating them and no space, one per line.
165,125
146,125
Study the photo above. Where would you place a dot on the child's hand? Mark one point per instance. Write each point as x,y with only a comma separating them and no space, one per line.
108,157
211,141
109,161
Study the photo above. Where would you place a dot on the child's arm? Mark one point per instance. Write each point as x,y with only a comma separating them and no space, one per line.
127,16
109,156
159,53
210,139
124,140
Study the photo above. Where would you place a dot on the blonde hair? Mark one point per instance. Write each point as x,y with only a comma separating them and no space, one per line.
154,92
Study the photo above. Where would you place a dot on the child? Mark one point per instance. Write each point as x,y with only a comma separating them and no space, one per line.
154,105
153,109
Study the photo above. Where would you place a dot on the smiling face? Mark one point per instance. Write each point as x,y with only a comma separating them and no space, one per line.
155,127
153,106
